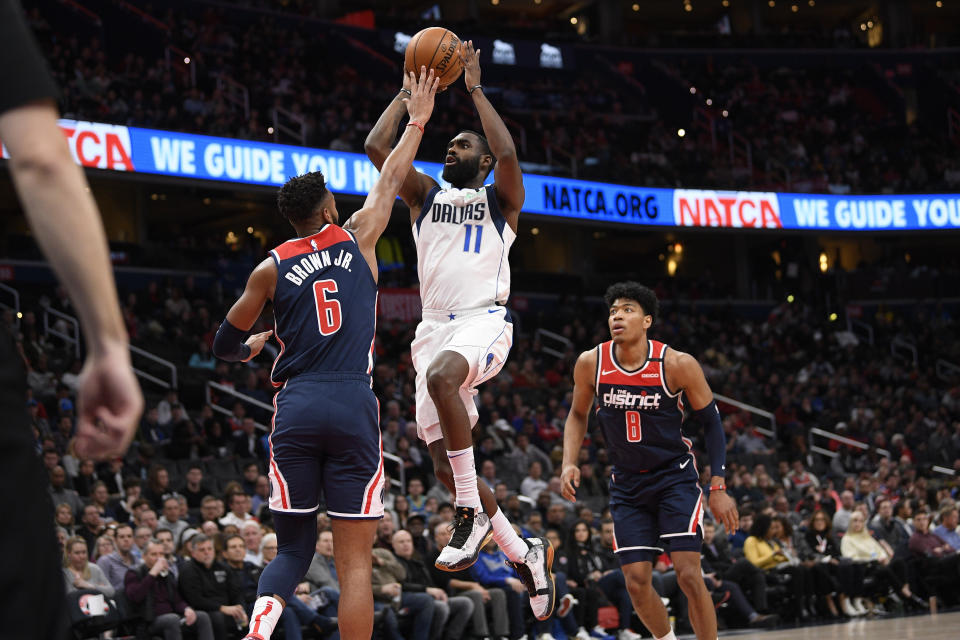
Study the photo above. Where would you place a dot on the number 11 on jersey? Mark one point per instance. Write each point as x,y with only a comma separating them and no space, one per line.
466,241
634,434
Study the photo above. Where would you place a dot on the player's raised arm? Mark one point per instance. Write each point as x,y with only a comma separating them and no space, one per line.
415,185
507,174
584,377
369,222
684,373
228,344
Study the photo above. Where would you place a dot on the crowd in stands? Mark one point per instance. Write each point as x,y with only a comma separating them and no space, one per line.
809,127
179,529
865,531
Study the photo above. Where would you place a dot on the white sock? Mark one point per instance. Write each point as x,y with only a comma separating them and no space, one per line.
464,478
266,612
669,636
509,542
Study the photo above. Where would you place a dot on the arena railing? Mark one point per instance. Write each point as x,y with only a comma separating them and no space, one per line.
51,329
836,437
860,324
944,368
177,58
953,124
16,303
398,478
166,364
898,345
216,386
235,92
540,334
286,121
766,415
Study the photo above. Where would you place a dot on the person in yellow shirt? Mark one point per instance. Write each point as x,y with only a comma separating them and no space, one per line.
763,549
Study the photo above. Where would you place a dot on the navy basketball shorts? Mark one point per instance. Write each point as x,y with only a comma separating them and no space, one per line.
326,438
657,511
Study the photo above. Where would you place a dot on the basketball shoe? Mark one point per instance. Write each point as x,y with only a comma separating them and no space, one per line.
534,572
472,530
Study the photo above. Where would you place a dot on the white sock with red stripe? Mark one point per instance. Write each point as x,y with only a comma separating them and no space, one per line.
507,539
266,612
464,478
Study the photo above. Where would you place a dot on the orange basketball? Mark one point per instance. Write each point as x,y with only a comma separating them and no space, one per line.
438,49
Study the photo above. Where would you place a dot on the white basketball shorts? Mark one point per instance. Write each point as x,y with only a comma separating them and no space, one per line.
482,336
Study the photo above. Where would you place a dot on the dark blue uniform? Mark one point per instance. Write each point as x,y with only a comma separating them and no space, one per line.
326,430
655,495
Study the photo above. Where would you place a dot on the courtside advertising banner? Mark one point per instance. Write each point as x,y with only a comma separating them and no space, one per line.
198,157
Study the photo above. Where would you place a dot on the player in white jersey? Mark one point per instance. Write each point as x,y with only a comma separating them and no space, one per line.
463,236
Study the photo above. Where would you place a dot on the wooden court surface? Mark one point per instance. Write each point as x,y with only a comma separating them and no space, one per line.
940,626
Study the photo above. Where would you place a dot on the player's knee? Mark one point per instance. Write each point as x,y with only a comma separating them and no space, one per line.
442,382
689,578
637,585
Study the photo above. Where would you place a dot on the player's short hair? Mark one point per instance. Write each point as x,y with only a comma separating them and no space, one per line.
299,198
484,146
634,291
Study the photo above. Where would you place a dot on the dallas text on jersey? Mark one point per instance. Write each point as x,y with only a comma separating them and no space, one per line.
315,262
457,215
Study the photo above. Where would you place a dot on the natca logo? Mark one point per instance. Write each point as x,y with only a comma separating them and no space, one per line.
746,209
400,41
623,399
504,53
551,56
102,146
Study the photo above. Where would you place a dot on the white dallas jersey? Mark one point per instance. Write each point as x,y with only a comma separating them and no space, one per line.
463,242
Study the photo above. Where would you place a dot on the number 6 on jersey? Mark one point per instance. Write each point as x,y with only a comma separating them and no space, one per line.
634,433
328,311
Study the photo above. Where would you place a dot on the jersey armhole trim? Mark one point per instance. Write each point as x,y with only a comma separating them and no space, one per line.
499,221
352,237
427,204
276,258
596,384
663,374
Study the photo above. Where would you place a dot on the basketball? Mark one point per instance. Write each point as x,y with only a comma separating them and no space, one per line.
438,49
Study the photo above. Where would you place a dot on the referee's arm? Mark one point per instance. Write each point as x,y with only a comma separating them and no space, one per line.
66,223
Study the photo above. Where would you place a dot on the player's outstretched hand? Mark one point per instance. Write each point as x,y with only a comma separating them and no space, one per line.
569,481
109,404
256,342
724,509
420,102
471,64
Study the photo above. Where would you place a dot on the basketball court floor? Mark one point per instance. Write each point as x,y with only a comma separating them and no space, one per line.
939,626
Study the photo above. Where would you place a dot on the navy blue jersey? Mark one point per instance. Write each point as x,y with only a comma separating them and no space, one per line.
324,306
639,415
